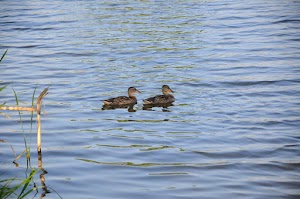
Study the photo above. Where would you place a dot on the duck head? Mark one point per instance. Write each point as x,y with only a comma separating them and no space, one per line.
132,91
166,90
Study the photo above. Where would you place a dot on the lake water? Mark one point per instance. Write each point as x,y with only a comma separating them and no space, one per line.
234,129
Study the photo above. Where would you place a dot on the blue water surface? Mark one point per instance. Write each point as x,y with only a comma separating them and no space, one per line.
233,131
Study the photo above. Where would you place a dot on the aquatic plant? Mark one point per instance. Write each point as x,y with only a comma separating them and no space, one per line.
2,88
3,55
18,187
9,187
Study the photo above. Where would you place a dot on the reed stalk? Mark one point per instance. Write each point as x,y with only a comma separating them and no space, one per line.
38,111
18,108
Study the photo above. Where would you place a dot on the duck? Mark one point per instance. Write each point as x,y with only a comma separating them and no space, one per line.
166,98
123,100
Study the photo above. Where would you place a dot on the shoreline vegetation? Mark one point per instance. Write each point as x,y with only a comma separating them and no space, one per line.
18,187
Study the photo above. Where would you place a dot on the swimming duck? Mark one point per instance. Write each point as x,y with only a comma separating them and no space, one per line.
166,98
123,100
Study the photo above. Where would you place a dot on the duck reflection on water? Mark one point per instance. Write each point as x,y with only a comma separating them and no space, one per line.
113,107
164,106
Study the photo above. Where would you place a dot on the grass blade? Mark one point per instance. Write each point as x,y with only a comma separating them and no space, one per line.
2,88
26,183
3,55
31,119
24,137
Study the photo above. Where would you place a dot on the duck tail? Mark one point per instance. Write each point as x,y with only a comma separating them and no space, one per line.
146,101
105,102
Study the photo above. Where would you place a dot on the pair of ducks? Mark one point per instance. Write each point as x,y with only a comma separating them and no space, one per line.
166,98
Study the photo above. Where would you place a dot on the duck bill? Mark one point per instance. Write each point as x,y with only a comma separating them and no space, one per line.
171,91
138,91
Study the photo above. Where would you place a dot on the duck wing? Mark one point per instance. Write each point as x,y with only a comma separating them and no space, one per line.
119,101
149,100
159,99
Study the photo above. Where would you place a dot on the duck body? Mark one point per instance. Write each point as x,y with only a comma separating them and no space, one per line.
123,100
166,98
160,99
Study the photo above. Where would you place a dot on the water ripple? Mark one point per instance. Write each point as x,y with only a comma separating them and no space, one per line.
234,69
